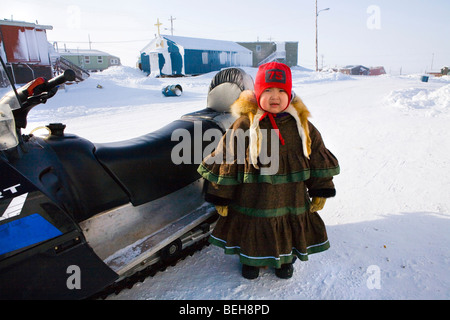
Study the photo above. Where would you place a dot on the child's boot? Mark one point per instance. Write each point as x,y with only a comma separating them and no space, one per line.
250,272
285,272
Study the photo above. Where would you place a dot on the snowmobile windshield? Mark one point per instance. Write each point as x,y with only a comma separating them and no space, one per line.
8,102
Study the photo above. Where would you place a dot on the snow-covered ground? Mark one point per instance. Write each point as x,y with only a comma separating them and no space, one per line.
389,225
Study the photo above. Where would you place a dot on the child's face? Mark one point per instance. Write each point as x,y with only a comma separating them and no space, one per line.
274,100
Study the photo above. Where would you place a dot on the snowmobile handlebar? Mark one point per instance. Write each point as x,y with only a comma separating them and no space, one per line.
39,90
36,92
68,75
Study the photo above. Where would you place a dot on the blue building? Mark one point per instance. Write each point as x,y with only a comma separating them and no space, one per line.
173,55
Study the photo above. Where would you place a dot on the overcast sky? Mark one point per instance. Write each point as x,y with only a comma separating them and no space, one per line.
409,34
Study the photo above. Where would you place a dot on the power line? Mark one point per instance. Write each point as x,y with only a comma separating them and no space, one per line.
122,41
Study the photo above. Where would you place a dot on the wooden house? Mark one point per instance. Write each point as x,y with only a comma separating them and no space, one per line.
355,70
25,50
90,60
285,52
176,56
376,71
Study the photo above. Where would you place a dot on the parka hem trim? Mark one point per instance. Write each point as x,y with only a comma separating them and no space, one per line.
270,261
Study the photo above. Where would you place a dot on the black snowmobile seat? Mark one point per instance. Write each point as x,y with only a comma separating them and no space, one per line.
143,165
86,179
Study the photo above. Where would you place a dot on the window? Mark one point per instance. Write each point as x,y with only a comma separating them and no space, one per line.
223,58
32,44
114,61
87,59
258,48
205,57
99,59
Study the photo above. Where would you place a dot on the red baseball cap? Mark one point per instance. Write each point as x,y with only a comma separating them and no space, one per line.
273,74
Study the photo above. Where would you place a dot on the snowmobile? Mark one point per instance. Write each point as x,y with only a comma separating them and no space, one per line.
78,217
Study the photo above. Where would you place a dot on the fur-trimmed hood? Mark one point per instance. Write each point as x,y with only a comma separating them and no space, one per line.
247,105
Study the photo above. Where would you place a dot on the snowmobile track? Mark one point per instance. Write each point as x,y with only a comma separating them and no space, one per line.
150,271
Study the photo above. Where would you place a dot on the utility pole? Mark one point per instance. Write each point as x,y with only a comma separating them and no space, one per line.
317,49
317,41
171,24
432,61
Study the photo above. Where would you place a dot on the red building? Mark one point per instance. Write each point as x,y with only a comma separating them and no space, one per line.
376,71
25,50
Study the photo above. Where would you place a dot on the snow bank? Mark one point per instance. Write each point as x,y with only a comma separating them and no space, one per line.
422,101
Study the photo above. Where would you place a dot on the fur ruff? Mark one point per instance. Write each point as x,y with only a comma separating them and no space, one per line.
247,105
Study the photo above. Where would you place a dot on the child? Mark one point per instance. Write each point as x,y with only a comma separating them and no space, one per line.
269,220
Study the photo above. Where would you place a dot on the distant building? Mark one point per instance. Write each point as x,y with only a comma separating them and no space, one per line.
175,56
377,71
286,52
355,70
90,60
25,50
361,70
